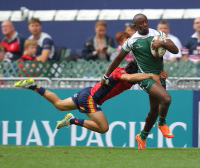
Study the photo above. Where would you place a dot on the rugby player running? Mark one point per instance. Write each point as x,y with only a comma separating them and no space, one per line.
160,99
88,100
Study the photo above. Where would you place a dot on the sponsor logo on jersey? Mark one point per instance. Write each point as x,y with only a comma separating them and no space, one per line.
76,121
139,46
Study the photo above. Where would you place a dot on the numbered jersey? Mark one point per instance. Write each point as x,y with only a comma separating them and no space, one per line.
140,46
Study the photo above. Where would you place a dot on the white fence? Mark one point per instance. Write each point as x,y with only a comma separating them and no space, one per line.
80,83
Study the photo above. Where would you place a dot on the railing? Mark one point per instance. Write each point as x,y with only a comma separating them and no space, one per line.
188,84
173,83
79,83
6,83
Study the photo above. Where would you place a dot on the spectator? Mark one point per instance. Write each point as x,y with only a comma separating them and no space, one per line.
192,46
30,46
164,26
129,28
3,54
121,37
13,41
96,47
46,48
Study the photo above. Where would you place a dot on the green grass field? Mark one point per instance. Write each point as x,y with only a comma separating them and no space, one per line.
96,157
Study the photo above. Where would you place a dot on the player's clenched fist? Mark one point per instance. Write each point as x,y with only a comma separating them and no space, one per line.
104,81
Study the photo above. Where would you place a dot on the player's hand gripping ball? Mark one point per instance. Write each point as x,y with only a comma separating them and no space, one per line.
160,51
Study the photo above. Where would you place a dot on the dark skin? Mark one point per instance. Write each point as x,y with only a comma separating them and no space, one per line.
159,98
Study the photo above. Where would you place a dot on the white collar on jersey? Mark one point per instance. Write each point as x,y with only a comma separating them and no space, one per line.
194,35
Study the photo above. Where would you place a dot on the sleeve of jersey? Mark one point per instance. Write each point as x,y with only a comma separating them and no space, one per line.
126,46
118,73
47,44
164,35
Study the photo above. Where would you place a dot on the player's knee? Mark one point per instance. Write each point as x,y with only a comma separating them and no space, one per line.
104,129
167,100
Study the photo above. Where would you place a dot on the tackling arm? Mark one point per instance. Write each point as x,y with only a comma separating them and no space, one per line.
139,76
114,64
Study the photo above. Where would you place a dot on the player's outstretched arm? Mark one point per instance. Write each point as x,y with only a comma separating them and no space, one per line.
114,64
169,45
139,76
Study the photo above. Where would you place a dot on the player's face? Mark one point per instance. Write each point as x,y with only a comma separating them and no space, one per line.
7,28
197,24
164,28
142,25
31,49
130,31
100,31
35,28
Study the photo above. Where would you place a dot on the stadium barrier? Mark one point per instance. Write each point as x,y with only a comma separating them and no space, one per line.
80,83
6,83
29,119
75,83
82,68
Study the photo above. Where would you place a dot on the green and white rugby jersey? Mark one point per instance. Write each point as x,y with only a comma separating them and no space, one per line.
140,46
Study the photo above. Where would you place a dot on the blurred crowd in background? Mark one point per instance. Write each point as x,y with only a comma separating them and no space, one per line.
39,46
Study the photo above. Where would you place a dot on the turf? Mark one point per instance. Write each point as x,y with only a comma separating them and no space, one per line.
96,157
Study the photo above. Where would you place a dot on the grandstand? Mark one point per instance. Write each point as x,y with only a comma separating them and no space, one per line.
75,19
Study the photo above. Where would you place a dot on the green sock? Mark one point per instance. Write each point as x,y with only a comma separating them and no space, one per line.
162,121
144,135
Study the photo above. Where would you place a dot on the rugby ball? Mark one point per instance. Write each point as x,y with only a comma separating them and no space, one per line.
159,52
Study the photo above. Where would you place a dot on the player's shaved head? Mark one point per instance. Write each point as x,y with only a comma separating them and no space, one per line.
141,24
138,16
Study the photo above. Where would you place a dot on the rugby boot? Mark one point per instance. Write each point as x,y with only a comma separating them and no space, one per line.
141,143
166,131
25,84
65,121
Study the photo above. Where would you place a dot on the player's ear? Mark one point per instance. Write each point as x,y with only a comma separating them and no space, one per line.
134,26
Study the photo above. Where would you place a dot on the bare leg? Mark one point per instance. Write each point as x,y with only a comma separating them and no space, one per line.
153,114
157,94
161,94
97,123
62,105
